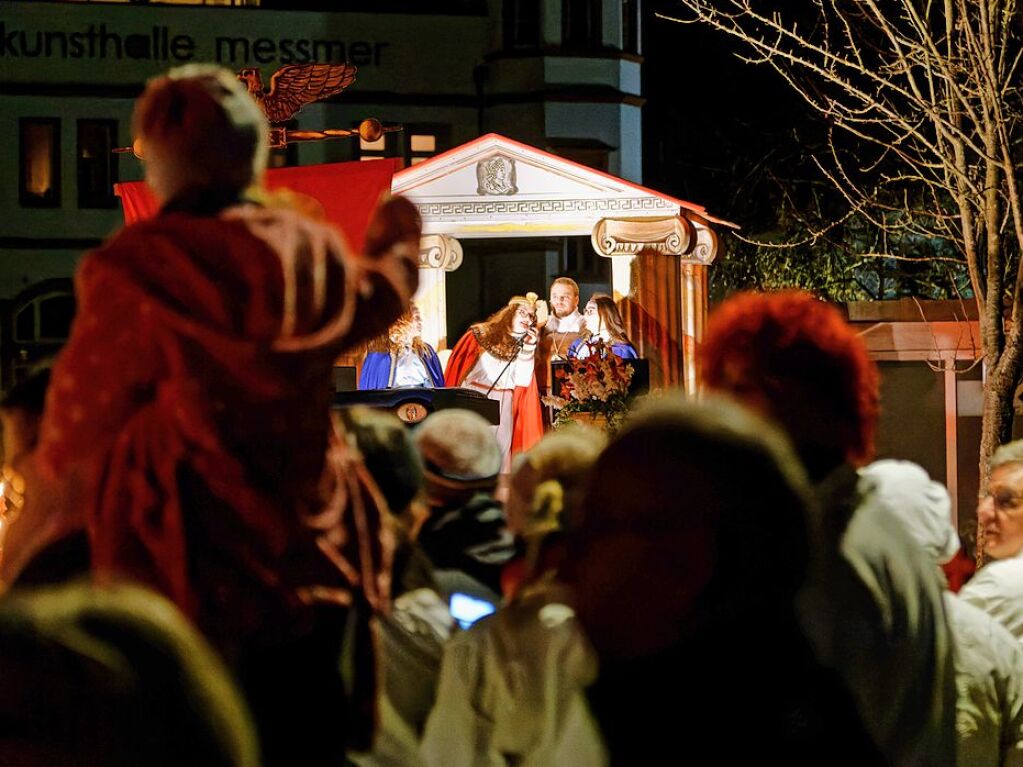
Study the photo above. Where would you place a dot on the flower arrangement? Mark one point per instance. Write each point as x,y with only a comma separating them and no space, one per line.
595,389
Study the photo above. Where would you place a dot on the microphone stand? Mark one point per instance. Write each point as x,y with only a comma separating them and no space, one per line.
518,347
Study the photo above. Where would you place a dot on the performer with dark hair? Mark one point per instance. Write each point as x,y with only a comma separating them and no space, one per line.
603,323
874,609
401,358
496,357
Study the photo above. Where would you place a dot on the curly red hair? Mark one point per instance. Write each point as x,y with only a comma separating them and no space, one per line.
796,357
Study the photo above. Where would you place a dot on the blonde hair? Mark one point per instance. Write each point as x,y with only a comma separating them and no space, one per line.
568,282
400,328
559,467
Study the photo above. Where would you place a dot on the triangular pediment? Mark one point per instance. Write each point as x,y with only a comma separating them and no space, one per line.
494,187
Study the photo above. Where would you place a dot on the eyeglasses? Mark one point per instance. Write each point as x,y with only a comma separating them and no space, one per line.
1004,502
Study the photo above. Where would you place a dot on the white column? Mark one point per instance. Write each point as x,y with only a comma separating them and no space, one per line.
621,276
431,298
437,254
952,437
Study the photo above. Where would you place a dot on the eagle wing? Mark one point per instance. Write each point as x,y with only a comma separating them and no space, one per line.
292,87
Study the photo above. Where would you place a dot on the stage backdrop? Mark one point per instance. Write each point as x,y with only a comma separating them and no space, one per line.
348,192
652,317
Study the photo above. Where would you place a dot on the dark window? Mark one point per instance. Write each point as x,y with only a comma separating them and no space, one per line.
631,25
46,318
580,261
589,152
521,23
39,162
55,315
25,324
97,165
581,25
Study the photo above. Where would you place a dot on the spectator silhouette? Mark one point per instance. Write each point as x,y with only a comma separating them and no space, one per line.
873,608
48,550
464,533
511,686
688,551
997,588
988,659
113,678
412,634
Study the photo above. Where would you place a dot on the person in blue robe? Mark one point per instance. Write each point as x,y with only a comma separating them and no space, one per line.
402,359
603,322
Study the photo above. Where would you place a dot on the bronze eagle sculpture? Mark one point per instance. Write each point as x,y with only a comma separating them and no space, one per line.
294,86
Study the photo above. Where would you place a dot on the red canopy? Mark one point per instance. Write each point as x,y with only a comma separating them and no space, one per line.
348,192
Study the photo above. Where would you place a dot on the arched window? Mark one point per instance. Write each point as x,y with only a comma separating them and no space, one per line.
44,319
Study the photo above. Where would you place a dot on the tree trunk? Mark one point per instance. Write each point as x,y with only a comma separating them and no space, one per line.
996,422
995,430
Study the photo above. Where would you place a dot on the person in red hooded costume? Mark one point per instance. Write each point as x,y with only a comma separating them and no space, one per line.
188,417
496,357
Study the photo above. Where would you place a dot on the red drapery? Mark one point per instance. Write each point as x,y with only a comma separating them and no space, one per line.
652,317
347,191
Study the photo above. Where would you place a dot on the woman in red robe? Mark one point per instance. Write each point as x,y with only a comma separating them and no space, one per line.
496,357
191,410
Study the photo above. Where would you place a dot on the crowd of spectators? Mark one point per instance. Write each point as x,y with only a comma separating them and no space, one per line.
202,563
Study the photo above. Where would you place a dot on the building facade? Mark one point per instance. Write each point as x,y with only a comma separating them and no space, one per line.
561,75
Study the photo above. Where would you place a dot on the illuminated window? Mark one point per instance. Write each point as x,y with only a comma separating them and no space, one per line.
421,144
97,165
424,140
39,162
385,146
411,145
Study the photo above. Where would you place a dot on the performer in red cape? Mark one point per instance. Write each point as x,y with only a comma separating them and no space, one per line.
496,357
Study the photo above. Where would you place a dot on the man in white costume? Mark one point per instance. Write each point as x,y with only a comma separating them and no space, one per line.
565,316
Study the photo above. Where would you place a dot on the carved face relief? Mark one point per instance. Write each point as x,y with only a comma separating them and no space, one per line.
496,176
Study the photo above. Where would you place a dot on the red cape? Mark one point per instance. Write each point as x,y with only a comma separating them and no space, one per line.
198,367
527,424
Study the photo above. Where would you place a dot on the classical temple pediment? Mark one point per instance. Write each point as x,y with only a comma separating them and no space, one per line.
496,187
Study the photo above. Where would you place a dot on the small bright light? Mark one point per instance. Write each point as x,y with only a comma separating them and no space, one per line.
467,610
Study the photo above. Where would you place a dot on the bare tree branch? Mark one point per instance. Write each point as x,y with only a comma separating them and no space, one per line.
932,86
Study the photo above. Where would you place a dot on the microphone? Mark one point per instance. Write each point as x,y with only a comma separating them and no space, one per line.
518,347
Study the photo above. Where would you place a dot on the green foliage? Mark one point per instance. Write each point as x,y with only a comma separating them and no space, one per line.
837,254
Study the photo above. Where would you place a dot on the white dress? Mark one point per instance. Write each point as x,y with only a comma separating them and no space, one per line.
500,378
